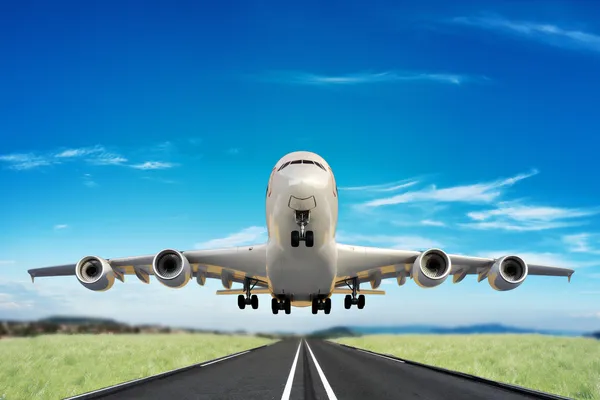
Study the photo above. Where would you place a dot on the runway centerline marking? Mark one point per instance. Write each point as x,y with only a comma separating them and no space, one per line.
288,385
328,388
380,355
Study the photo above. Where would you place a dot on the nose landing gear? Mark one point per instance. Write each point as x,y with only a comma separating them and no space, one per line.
308,237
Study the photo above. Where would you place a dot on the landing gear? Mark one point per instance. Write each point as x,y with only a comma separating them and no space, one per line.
308,237
321,304
252,300
349,300
283,304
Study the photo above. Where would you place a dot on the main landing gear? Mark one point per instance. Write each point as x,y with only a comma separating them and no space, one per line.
321,304
308,237
283,304
352,299
248,299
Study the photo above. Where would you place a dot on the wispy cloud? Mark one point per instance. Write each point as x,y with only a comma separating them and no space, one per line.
79,152
7,262
60,227
580,243
406,242
430,222
153,165
476,193
384,187
595,314
250,235
304,78
106,158
25,161
89,181
542,32
517,217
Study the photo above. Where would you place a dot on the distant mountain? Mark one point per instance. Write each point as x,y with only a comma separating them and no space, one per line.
595,335
340,331
67,320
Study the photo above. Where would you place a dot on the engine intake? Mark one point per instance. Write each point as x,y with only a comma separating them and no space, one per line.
507,273
431,268
95,273
171,268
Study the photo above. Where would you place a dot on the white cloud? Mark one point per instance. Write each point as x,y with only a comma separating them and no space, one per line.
303,78
519,217
107,159
476,193
7,262
384,187
407,242
89,181
25,161
153,165
580,243
250,235
545,33
430,222
79,152
60,226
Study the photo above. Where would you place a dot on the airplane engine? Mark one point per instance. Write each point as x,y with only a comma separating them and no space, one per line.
171,268
95,273
507,273
431,268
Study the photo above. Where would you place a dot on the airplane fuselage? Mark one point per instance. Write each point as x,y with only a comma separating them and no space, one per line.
301,191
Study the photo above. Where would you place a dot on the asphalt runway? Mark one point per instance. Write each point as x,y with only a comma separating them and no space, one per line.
313,369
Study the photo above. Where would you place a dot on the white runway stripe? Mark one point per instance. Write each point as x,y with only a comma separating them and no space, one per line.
288,386
328,388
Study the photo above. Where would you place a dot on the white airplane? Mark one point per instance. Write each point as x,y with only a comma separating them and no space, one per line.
301,264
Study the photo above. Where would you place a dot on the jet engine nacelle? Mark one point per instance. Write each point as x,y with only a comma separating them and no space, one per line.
507,273
431,268
171,268
95,273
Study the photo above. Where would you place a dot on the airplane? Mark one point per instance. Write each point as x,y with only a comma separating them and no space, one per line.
301,264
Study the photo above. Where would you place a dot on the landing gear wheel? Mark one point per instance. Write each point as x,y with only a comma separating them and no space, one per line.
347,302
361,301
254,301
309,239
327,305
315,306
287,306
241,302
295,238
275,305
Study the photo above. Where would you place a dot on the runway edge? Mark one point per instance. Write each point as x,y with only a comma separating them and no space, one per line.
126,385
514,388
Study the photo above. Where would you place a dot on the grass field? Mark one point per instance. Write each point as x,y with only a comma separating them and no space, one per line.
57,366
565,366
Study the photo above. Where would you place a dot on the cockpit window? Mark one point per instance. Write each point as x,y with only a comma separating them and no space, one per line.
302,162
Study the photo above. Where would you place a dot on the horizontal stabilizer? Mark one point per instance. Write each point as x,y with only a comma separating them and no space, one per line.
362,291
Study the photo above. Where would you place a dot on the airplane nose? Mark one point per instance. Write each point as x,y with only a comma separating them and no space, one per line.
303,184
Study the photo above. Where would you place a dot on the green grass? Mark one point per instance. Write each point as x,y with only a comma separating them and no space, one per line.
57,366
565,366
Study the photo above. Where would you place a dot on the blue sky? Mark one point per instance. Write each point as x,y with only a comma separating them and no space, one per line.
129,128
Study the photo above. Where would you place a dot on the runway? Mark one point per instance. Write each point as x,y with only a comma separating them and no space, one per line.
312,369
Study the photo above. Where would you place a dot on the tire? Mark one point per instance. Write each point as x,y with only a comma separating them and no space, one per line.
274,306
361,301
315,306
254,301
295,239
327,305
288,306
309,239
347,302
241,301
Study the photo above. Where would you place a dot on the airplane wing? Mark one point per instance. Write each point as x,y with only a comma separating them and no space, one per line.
372,264
229,265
